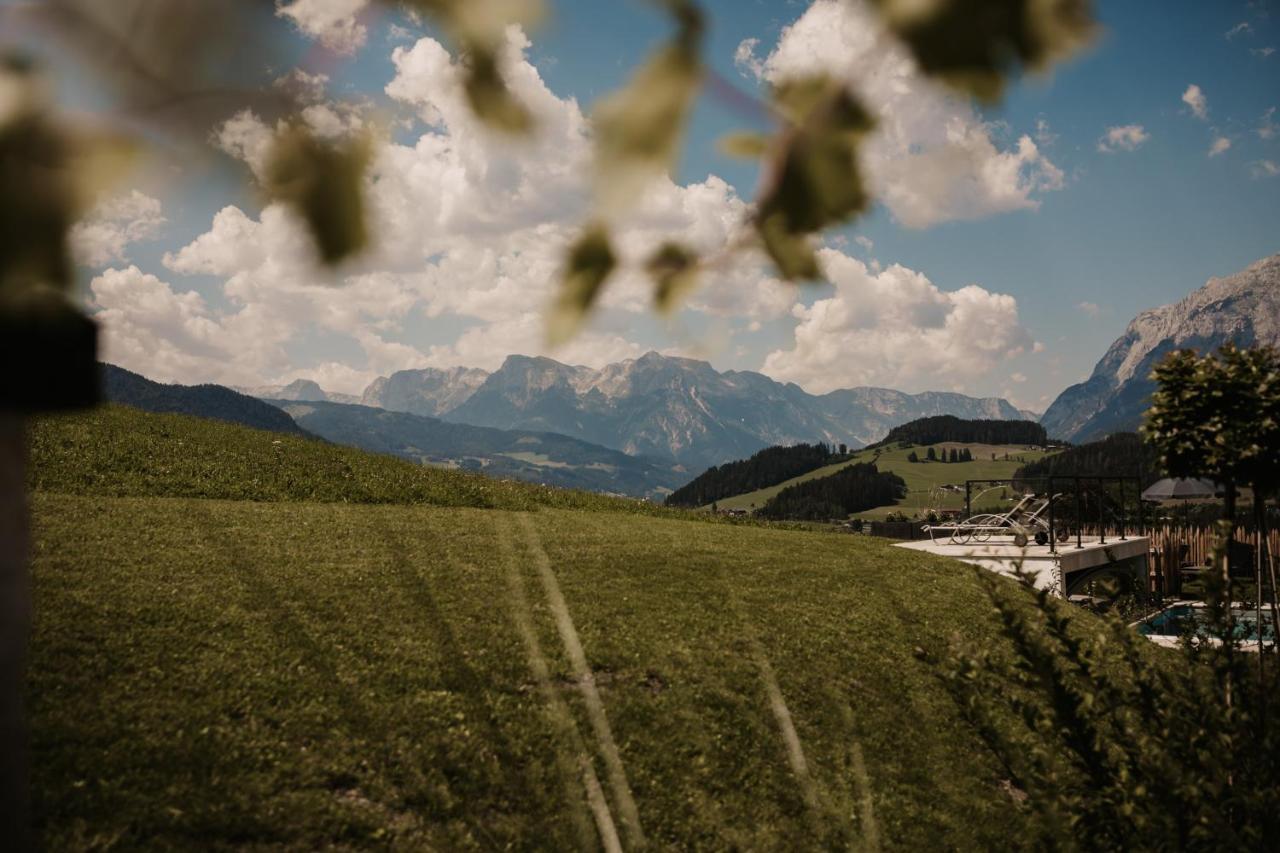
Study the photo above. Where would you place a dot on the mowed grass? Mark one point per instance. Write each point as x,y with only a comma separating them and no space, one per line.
221,674
922,478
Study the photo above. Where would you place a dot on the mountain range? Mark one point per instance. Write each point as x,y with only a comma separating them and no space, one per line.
1243,308
678,409
536,457
549,459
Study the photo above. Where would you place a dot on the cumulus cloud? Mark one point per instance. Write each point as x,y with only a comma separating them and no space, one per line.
1267,127
1196,100
1242,28
896,327
333,23
1220,145
1262,52
1127,137
931,158
103,237
1264,169
472,229
745,59
1090,308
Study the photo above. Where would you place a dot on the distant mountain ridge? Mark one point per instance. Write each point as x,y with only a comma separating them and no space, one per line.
1243,308
538,457
665,407
205,401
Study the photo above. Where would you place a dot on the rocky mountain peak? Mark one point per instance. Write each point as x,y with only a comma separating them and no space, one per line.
1243,308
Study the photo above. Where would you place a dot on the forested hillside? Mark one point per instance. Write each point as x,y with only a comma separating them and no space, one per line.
852,489
942,428
769,467
204,401
1120,454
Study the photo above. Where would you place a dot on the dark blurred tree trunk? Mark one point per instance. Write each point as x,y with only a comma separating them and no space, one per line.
15,626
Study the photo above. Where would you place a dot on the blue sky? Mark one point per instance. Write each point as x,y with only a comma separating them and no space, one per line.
1112,234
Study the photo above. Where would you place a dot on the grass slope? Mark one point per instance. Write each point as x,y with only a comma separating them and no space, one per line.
921,477
228,674
118,450
313,666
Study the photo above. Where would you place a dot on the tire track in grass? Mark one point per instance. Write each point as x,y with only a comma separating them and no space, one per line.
587,684
522,615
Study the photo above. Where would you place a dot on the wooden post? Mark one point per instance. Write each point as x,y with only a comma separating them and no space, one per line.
15,626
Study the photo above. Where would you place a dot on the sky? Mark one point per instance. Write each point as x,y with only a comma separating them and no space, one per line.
1009,246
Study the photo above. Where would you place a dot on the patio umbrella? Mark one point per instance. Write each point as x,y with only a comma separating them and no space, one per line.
1181,488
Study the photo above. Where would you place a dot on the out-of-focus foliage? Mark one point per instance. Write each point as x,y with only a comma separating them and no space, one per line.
1219,416
638,129
589,263
813,178
477,27
186,64
975,44
674,271
321,179
49,176
1169,751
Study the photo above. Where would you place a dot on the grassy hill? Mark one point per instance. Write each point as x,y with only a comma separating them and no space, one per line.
922,478
356,652
122,451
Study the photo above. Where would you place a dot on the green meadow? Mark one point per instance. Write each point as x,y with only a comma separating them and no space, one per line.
923,478
253,642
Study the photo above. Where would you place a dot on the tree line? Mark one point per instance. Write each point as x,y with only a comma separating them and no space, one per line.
962,454
769,467
940,428
851,489
1121,454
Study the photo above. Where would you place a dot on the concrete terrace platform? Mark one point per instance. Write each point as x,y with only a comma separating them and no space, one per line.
1062,572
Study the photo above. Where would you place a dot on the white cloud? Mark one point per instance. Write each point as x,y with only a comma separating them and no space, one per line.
1126,137
1264,169
472,229
334,23
303,85
1090,308
104,235
896,328
746,60
1267,127
1220,145
1196,100
1242,28
1262,52
1045,137
931,158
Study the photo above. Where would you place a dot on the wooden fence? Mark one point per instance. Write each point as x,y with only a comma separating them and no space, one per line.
1175,546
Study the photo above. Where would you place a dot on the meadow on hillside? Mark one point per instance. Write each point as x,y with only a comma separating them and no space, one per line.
286,672
923,478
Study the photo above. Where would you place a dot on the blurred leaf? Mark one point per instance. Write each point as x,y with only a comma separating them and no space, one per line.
675,273
638,128
323,181
975,44
478,29
489,97
50,175
180,63
813,180
791,252
749,146
590,261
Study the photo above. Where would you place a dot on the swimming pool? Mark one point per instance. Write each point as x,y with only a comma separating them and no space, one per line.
1167,626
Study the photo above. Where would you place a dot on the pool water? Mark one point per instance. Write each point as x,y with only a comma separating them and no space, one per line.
1186,619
